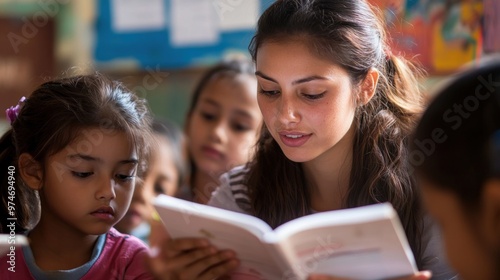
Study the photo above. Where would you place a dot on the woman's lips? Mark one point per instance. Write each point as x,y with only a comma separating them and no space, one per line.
294,139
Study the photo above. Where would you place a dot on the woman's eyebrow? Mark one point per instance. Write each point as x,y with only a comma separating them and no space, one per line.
299,81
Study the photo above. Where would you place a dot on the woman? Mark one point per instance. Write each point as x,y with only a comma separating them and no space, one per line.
338,109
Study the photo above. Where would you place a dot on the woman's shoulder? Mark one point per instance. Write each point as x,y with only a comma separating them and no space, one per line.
232,193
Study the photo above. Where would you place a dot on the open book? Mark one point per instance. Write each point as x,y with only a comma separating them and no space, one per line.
360,243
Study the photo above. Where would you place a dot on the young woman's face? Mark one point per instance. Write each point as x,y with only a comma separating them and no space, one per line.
464,239
88,185
307,102
224,124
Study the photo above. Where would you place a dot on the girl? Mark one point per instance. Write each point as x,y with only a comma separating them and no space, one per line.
221,125
166,172
456,152
76,143
338,109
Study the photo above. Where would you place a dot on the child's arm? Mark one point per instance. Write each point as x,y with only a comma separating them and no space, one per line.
190,258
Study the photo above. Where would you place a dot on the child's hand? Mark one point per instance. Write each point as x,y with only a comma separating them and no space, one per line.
421,275
190,258
158,234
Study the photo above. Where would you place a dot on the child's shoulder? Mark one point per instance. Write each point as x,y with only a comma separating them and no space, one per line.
234,180
123,257
116,241
236,175
232,193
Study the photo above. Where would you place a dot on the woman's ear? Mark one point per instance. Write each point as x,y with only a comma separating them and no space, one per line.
368,86
31,171
491,211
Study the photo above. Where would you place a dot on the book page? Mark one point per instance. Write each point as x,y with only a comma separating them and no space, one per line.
360,243
225,230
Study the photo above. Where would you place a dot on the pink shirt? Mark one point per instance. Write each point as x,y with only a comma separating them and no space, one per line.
122,257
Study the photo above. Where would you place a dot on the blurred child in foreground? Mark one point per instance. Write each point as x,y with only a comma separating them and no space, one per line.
456,153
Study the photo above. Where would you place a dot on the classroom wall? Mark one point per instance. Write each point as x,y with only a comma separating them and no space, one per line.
63,32
74,41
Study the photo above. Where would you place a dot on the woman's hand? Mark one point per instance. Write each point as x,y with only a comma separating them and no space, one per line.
190,258
421,275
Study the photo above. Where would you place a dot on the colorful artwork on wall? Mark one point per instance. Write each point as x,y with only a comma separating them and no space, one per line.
441,35
491,26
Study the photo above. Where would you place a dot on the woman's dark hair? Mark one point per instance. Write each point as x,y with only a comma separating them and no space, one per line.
456,145
51,118
347,33
226,68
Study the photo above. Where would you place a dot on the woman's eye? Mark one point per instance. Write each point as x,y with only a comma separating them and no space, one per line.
269,92
314,96
81,174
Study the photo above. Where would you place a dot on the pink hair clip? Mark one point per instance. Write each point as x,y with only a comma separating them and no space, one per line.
13,111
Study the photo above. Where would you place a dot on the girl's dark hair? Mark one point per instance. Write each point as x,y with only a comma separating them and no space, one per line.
347,33
52,117
456,145
174,136
226,68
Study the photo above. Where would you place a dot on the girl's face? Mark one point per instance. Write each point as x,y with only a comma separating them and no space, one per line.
224,124
88,185
138,211
464,238
161,178
163,175
307,102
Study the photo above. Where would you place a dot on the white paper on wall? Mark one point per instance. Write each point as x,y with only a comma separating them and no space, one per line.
135,15
194,23
237,14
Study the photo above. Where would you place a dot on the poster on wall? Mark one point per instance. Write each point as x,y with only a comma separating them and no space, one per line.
441,35
491,26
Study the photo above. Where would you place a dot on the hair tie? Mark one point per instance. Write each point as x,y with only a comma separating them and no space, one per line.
13,111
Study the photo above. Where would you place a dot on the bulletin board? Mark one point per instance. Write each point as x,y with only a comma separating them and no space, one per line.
173,34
